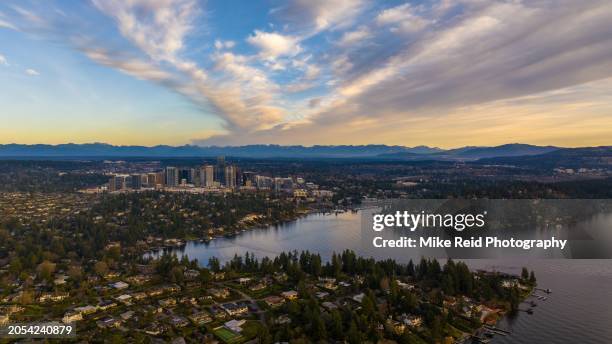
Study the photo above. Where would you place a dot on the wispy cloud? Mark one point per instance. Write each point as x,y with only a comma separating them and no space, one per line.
273,45
5,24
31,72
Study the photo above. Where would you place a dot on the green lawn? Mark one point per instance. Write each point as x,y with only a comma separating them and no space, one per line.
227,336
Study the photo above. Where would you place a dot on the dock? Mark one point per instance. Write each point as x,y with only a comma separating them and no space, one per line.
497,330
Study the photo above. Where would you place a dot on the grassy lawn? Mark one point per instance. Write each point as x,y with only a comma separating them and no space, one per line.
250,329
227,336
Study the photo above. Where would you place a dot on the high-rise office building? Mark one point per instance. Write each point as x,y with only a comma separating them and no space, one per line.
160,179
220,170
209,176
136,181
283,184
119,182
264,182
230,176
197,178
172,176
248,178
152,180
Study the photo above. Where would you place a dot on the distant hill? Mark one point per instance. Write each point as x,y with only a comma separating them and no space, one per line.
512,149
474,153
250,151
588,157
373,152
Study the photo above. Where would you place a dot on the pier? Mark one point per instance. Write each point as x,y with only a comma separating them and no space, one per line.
497,330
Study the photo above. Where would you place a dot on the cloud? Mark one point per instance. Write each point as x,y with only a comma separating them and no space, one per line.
3,60
31,72
137,68
219,44
241,94
351,37
318,15
6,24
481,54
402,19
157,27
273,45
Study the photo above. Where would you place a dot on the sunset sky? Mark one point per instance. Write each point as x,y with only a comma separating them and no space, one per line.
441,73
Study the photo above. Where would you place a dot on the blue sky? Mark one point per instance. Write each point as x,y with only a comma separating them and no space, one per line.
442,73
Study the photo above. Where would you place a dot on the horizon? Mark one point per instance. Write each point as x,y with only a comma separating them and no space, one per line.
339,72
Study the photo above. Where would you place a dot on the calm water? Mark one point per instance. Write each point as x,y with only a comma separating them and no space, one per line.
578,311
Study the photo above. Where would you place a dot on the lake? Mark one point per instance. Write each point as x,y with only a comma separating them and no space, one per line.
577,311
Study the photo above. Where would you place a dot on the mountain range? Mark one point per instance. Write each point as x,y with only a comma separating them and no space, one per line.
376,152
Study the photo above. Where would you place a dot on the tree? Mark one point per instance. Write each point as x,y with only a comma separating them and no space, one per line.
101,268
213,264
45,270
524,274
75,273
532,278
336,325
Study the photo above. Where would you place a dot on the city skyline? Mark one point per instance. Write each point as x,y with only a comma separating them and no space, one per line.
436,73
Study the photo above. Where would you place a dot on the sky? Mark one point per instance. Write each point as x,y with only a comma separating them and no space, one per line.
443,73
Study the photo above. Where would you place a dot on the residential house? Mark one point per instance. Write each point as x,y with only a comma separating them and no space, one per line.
119,285
234,309
200,318
274,301
290,295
